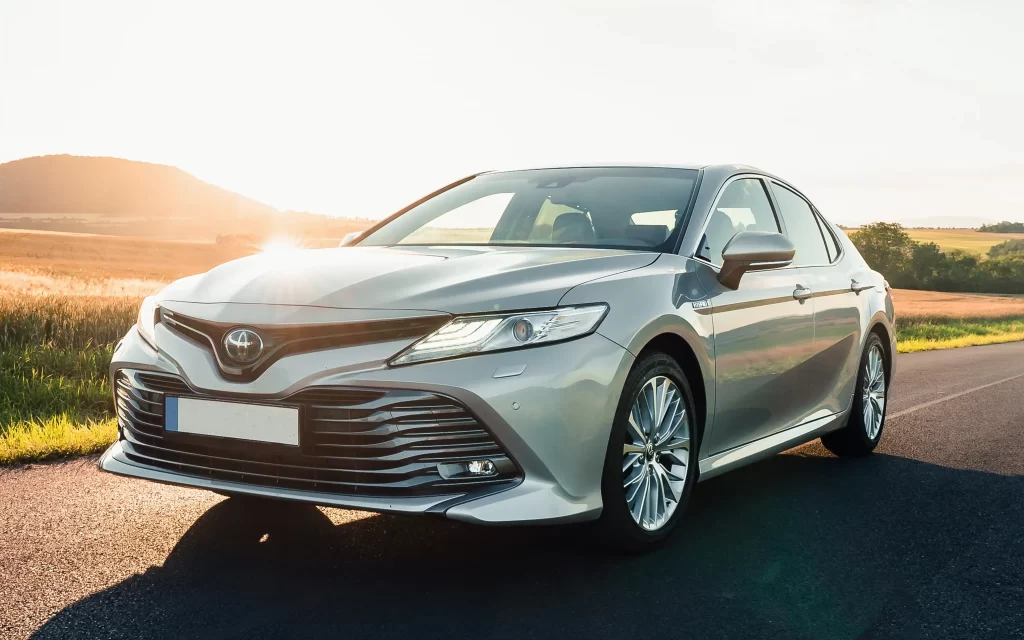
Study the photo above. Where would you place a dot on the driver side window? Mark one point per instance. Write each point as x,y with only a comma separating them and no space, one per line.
743,206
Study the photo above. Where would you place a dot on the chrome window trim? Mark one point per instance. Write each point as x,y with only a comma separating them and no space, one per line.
835,239
718,198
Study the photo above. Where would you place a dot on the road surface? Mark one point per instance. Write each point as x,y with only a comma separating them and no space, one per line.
923,539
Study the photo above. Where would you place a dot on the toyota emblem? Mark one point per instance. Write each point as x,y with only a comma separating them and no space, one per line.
243,345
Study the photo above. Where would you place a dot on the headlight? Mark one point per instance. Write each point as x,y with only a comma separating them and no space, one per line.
147,320
474,334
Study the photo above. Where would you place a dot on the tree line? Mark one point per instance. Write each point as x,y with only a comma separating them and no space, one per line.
908,264
1003,227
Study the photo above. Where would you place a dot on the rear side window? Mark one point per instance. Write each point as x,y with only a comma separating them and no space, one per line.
743,206
802,228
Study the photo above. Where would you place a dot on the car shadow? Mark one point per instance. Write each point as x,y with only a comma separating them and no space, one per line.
800,546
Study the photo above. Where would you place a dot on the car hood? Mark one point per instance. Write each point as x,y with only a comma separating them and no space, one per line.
445,279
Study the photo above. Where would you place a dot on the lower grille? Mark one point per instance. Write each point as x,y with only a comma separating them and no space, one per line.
353,441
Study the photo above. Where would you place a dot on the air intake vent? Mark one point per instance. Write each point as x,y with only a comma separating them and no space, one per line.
353,441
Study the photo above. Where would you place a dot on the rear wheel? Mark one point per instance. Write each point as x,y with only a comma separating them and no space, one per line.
651,463
863,430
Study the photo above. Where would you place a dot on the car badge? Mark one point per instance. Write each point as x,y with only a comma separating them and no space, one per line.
243,346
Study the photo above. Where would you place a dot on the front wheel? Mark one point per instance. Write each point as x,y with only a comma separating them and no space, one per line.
651,463
863,430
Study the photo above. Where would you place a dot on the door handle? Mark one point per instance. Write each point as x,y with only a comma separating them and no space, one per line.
801,293
857,287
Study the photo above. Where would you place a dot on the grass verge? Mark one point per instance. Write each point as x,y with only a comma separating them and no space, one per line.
55,437
925,333
55,398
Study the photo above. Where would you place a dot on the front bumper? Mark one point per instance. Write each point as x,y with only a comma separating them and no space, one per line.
550,408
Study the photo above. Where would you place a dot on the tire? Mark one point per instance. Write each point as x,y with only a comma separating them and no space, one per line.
659,467
859,437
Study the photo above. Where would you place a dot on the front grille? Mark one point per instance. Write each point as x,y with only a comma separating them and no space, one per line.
352,441
283,340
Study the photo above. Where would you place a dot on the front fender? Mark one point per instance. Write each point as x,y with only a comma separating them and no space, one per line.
657,300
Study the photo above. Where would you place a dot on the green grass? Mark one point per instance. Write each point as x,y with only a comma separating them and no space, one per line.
55,397
40,382
927,333
56,437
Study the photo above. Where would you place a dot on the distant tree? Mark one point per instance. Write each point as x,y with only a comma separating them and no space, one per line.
960,272
888,249
1006,248
927,263
1003,227
907,264
1004,274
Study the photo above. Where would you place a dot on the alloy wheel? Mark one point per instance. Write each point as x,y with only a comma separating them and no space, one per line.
656,453
873,393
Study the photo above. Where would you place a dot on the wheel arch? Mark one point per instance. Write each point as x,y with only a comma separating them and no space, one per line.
888,337
683,353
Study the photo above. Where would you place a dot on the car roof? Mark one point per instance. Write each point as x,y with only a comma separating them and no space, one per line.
733,168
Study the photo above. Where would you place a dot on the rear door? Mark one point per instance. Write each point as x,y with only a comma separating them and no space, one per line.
764,330
837,310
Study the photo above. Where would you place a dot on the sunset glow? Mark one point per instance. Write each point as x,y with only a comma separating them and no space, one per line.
281,244
896,110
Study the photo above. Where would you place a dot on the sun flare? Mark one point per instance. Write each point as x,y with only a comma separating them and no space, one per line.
281,244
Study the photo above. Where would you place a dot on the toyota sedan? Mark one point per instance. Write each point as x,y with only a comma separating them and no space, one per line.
538,346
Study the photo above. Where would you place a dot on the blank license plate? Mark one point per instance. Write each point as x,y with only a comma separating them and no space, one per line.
257,422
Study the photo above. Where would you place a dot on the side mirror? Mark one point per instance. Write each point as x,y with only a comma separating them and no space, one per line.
349,238
754,251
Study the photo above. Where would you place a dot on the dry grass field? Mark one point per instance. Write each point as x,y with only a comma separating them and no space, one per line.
936,304
966,239
89,257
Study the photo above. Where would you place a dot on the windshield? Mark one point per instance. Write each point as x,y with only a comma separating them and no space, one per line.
631,208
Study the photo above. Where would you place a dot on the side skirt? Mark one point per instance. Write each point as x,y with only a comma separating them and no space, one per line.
769,445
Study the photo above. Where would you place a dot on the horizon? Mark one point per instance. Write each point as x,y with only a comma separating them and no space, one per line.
897,113
940,222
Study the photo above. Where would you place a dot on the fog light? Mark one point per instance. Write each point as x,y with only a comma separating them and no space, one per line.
471,469
481,467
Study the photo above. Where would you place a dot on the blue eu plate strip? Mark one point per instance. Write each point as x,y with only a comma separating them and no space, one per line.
171,413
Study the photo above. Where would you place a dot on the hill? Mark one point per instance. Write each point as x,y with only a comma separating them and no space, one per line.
113,186
113,196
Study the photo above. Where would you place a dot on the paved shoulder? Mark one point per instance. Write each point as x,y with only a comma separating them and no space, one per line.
930,375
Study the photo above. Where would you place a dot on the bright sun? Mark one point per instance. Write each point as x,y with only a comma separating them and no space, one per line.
280,244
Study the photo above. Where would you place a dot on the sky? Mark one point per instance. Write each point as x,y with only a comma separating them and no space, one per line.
878,110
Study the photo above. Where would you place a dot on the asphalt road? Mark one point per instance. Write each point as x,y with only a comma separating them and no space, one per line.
923,539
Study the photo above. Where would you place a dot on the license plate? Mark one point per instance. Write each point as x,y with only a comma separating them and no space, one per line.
256,422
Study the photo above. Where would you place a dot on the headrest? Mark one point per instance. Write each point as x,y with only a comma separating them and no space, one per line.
651,234
572,226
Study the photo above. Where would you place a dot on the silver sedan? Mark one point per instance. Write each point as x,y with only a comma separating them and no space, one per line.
537,346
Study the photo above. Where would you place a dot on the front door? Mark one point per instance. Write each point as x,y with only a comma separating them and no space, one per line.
764,330
764,344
